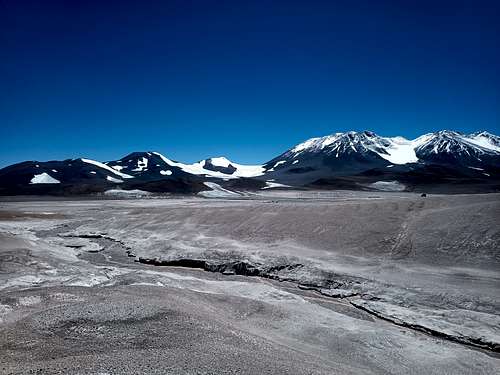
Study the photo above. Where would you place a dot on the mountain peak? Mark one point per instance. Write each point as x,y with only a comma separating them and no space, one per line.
360,155
219,161
320,143
452,142
397,150
219,164
448,133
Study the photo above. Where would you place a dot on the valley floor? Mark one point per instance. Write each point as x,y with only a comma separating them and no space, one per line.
276,283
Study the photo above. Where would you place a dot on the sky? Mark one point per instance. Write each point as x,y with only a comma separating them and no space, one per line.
243,79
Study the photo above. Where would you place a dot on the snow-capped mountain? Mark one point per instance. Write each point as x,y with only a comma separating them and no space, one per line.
486,140
346,153
150,171
352,160
396,150
449,147
339,154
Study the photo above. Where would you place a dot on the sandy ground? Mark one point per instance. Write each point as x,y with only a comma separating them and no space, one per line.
301,283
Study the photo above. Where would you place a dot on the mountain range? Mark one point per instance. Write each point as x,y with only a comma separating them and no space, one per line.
444,161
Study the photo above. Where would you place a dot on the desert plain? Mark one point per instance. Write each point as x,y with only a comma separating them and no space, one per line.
279,282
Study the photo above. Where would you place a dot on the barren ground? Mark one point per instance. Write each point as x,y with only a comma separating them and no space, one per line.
280,283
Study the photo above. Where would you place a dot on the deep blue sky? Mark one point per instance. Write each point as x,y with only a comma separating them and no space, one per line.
246,79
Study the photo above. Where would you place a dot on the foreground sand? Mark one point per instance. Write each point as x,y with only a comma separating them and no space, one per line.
297,283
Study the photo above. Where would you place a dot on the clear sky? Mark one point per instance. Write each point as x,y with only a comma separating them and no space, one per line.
243,79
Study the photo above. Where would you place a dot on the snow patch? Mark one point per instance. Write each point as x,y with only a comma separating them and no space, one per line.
44,178
304,145
270,185
142,164
197,168
388,186
104,166
115,180
400,151
166,173
220,162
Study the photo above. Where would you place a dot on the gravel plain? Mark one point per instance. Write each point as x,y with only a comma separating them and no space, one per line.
277,283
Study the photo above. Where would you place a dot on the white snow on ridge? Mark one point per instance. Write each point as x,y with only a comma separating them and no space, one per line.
248,170
197,168
44,178
305,145
271,185
275,165
279,163
220,162
316,144
168,172
423,139
400,151
104,166
483,141
115,180
328,140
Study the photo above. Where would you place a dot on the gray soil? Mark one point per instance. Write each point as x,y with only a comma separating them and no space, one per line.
276,283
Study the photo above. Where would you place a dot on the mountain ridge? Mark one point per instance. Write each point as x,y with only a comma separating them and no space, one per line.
351,158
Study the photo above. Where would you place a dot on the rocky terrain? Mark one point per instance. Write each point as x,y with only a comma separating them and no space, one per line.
296,282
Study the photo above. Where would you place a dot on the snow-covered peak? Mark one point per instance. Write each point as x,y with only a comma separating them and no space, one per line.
485,140
315,144
106,167
397,150
451,142
439,142
220,161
